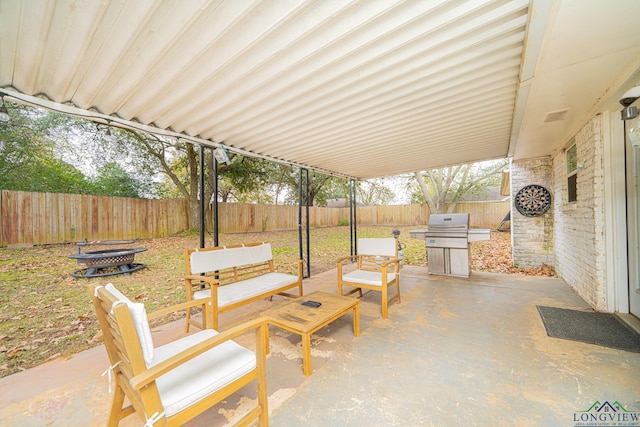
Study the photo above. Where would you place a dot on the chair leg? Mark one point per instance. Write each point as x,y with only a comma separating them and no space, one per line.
351,292
187,320
206,315
204,322
398,288
385,302
262,349
213,318
116,407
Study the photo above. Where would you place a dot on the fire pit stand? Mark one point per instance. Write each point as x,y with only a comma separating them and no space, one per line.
107,262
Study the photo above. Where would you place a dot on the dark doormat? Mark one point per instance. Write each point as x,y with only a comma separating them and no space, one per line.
592,327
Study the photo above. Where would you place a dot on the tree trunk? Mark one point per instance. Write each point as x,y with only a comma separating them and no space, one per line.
426,193
194,185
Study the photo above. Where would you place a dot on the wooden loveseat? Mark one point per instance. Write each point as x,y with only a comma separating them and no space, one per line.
233,276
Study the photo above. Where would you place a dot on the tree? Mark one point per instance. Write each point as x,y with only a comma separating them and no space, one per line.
176,159
113,151
38,151
321,187
250,180
442,188
324,187
38,147
125,162
28,158
374,192
113,180
278,188
179,161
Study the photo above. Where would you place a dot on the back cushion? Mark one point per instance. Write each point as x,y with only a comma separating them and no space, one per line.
384,246
219,259
140,322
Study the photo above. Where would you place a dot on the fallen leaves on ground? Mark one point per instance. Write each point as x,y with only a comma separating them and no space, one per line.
495,256
47,313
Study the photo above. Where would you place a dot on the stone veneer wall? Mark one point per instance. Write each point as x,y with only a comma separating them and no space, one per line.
531,237
579,226
570,236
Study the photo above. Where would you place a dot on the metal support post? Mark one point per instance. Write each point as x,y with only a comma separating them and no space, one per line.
202,202
215,204
353,220
303,220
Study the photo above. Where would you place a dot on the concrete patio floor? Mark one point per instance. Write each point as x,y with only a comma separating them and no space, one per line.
455,352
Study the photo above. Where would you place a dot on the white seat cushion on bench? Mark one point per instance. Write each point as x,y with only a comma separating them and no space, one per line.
245,289
372,278
202,375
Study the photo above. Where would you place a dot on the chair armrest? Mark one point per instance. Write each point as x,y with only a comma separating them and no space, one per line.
208,279
177,307
151,374
390,261
343,259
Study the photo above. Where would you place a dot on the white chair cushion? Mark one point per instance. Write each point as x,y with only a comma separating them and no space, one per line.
364,277
140,322
202,375
245,289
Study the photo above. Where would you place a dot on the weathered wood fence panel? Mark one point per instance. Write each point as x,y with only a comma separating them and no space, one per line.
246,217
43,218
482,214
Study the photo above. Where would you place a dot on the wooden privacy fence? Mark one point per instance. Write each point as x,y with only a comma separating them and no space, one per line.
45,218
481,214
246,217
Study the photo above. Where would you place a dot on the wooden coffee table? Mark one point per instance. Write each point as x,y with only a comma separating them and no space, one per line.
303,320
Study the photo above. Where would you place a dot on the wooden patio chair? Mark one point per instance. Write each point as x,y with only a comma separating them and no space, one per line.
377,269
174,383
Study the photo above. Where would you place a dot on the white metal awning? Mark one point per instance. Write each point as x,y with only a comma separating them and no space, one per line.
359,88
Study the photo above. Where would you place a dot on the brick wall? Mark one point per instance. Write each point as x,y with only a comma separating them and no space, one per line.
579,226
570,236
532,237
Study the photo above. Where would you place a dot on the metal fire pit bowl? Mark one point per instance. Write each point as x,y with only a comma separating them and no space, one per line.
107,262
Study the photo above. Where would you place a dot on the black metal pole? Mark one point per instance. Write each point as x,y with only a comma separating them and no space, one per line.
215,204
300,215
355,216
303,221
353,234
350,219
202,209
308,228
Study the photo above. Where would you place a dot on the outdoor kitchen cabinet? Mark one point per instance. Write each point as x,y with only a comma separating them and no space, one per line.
448,256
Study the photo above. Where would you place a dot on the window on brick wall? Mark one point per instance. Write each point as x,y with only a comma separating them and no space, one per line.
571,158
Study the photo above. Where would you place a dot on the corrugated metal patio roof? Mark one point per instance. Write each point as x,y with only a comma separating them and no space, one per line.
358,88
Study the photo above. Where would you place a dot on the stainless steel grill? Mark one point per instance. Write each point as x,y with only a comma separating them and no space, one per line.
448,239
449,225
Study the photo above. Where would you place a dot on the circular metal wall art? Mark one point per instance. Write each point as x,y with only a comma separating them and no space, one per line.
533,200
